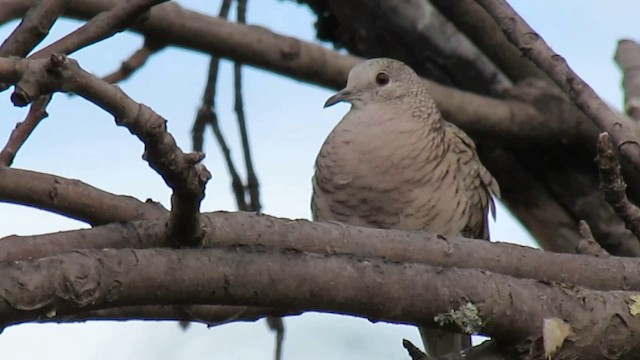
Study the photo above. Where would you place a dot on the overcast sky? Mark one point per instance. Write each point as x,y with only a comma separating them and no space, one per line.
287,126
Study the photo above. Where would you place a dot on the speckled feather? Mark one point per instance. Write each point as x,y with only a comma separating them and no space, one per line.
393,162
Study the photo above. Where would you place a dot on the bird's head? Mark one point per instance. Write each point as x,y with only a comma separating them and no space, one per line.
376,81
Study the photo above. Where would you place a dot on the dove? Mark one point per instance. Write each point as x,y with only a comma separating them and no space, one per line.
393,162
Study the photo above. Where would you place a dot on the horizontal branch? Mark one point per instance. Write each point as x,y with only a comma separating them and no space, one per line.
249,229
375,289
73,198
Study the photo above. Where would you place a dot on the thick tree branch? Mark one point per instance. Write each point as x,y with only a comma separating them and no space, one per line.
73,198
536,49
262,231
406,293
628,59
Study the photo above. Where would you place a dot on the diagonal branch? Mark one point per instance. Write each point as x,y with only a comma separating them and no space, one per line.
33,28
22,131
134,62
182,172
585,98
102,26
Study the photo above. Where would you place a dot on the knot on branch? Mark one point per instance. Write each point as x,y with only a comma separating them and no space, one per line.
39,77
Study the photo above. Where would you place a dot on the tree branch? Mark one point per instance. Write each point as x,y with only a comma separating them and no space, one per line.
261,231
613,185
73,198
102,26
536,49
33,28
182,172
134,62
406,293
486,117
22,131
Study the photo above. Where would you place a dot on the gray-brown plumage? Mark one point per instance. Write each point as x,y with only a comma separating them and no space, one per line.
393,162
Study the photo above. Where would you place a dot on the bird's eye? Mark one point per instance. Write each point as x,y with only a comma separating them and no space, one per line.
382,78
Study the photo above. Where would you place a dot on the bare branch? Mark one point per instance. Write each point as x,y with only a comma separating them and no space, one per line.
261,231
33,28
484,117
102,26
134,62
536,49
73,198
253,186
207,116
37,112
613,185
87,280
476,24
628,59
182,172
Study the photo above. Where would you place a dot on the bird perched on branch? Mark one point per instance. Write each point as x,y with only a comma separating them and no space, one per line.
393,162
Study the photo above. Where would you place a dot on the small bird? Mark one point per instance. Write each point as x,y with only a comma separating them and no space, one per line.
393,162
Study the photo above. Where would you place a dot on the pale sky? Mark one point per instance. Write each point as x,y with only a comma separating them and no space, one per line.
287,126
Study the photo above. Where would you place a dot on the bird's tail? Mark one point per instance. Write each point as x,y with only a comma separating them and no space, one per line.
439,342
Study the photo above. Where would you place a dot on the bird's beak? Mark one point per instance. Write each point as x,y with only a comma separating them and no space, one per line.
342,95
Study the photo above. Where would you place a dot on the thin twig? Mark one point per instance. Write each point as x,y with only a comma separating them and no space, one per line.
613,185
584,97
252,180
134,62
102,26
22,131
208,116
33,28
628,59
